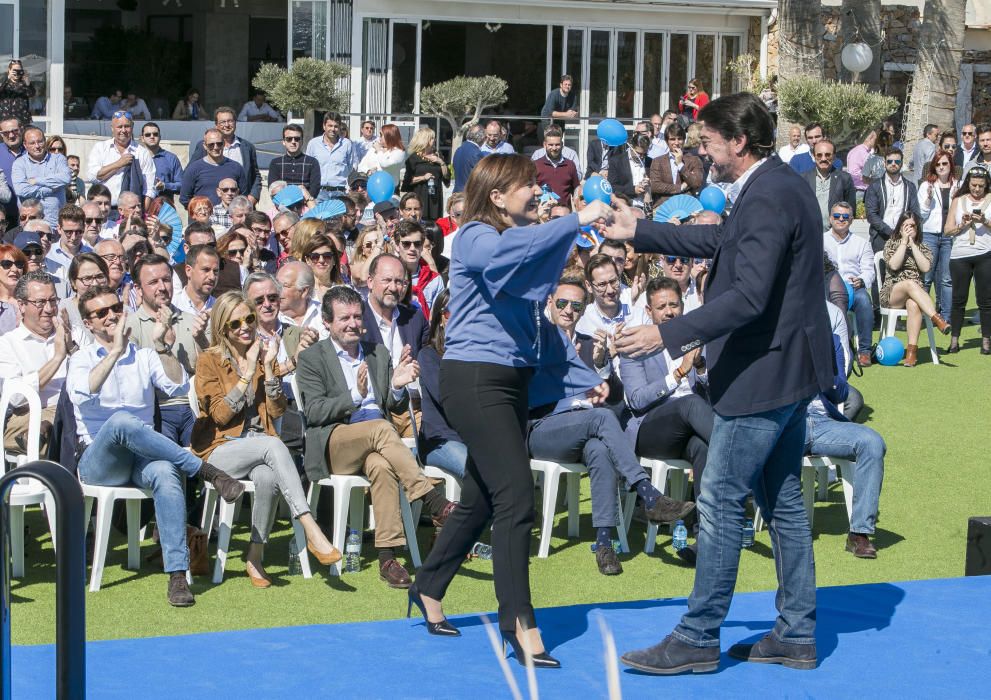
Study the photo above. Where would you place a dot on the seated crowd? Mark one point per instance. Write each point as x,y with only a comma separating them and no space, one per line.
116,317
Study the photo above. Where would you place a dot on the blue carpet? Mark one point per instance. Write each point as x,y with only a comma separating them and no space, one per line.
914,639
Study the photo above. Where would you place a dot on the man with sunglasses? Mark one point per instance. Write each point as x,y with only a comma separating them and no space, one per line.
35,351
204,174
679,268
965,151
983,156
925,149
888,198
168,169
112,385
227,190
41,175
234,148
71,225
829,184
854,260
94,223
295,167
426,283
121,164
266,293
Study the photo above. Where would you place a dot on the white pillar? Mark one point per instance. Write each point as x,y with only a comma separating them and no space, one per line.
763,47
56,68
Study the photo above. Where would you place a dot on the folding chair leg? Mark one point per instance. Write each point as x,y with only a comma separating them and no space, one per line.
844,470
822,477
409,525
133,510
574,495
932,341
341,508
621,533
209,511
87,513
17,541
223,539
104,513
552,477
304,556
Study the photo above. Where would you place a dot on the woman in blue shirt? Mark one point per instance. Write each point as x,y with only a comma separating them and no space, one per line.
503,268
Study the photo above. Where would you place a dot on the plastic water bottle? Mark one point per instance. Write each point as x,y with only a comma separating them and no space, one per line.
295,568
748,533
679,538
431,187
480,550
352,550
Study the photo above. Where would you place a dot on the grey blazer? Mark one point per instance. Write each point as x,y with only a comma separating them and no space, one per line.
327,400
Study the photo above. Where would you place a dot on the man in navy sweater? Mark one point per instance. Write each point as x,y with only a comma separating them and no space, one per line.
467,156
203,176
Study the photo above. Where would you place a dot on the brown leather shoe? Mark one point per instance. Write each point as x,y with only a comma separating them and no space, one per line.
941,325
864,359
444,514
395,576
911,356
860,546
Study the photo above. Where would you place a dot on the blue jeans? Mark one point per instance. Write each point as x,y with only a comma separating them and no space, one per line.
863,314
449,455
177,423
593,437
761,453
127,451
862,446
939,272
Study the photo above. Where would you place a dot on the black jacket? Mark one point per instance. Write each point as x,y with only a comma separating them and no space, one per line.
841,188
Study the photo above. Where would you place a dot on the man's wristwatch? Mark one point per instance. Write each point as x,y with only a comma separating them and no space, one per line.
162,348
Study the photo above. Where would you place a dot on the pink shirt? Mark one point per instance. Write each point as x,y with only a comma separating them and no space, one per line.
855,160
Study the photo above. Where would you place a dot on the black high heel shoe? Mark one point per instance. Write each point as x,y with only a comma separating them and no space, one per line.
442,628
541,660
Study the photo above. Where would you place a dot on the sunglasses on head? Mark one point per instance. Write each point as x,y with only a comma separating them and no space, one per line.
562,304
674,258
7,264
235,324
324,257
102,313
122,113
270,298
841,217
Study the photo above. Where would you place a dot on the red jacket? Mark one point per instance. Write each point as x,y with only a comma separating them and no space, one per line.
424,276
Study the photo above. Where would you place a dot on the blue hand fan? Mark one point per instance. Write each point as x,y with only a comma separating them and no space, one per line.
168,215
681,206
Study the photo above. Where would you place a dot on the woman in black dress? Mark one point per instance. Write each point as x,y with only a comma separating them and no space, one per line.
426,174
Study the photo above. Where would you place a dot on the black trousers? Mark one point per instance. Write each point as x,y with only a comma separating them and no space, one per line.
487,406
962,270
678,429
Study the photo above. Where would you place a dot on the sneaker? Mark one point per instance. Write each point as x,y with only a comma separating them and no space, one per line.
179,594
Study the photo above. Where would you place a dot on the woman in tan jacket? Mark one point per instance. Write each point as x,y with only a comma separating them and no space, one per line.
240,397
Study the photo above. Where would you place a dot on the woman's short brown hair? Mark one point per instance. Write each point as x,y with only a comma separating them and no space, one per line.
495,172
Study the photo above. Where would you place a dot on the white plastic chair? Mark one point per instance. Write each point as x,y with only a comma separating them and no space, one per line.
892,315
228,512
349,505
452,484
105,497
26,492
661,472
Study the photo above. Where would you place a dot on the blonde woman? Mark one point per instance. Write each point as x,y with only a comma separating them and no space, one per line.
240,398
426,174
368,244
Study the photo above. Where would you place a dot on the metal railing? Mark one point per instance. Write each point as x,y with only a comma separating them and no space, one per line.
70,571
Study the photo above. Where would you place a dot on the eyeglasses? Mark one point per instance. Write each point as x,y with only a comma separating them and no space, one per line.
949,146
824,156
672,259
359,185
261,230
247,321
122,113
42,303
225,122
102,313
894,161
95,220
562,304
7,264
841,217
968,133
213,144
90,280
292,139
321,257
57,149
11,132
608,284
944,164
228,189
151,134
411,244
28,217
270,298
231,252
113,257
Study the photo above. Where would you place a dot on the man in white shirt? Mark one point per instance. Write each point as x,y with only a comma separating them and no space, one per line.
854,260
35,351
71,224
110,162
495,139
365,140
111,385
297,305
679,268
607,309
794,145
258,110
202,271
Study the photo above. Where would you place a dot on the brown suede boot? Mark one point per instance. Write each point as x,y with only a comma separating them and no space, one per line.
911,353
941,324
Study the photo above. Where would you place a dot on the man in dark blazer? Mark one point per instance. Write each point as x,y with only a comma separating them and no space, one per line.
226,120
467,156
400,328
621,174
597,157
347,390
767,338
828,184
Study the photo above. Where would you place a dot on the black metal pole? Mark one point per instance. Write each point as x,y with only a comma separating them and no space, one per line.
70,577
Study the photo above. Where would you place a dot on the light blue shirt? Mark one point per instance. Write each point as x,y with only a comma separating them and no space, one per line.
103,108
50,177
502,147
336,162
130,387
366,406
59,259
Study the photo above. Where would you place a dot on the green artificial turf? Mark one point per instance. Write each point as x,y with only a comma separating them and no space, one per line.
934,421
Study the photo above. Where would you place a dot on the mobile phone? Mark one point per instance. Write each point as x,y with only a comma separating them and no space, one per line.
977,211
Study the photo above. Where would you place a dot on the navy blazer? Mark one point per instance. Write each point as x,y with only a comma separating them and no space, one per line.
765,328
464,161
413,328
620,174
249,161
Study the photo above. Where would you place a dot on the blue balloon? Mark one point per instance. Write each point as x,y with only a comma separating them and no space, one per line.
380,186
597,189
713,199
611,132
890,351
849,295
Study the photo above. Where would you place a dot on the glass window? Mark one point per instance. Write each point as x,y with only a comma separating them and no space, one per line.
598,73
33,50
705,60
403,67
558,67
626,73
653,66
6,33
728,82
573,60
373,63
309,29
678,70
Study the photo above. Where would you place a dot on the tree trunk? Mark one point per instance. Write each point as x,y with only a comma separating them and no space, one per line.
863,16
937,70
799,46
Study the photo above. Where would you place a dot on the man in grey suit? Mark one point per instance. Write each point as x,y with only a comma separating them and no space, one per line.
828,184
348,389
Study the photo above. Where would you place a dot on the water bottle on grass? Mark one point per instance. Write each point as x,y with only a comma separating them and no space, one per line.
295,568
748,533
352,552
480,550
679,538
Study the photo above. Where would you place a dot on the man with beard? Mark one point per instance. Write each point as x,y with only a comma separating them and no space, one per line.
202,269
184,338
